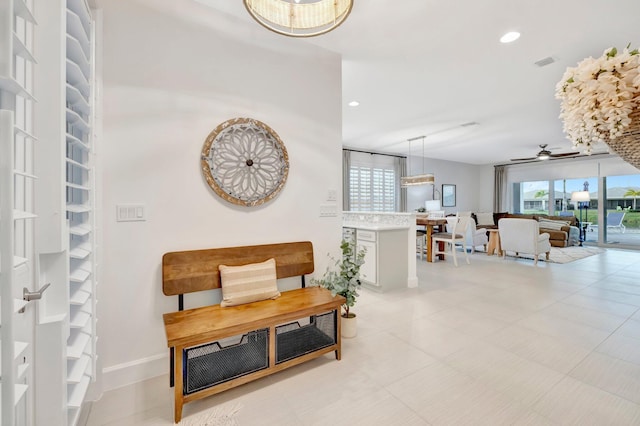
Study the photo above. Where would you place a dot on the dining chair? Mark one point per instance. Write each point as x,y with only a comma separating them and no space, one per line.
455,235
474,236
421,242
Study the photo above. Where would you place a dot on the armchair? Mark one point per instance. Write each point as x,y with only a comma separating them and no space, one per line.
523,236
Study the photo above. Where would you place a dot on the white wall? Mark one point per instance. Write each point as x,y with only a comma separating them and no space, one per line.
174,70
474,184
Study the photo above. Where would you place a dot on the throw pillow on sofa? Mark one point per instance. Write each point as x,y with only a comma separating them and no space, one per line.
484,218
556,225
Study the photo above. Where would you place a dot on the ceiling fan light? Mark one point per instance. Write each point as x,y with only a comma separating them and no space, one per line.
543,156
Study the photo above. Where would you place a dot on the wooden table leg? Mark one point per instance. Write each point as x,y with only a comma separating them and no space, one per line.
429,242
494,244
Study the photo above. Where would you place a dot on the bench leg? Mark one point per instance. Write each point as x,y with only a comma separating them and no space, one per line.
171,373
178,411
337,317
177,391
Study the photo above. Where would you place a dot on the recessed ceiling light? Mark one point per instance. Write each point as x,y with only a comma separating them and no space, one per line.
510,37
354,103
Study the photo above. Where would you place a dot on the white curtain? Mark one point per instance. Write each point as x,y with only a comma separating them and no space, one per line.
346,179
498,188
401,167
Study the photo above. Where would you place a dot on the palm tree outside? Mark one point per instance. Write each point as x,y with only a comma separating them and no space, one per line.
635,193
542,193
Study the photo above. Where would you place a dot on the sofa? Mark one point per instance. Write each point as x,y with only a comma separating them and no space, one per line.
563,230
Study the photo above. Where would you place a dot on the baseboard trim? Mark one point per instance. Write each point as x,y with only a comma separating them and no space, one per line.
135,371
412,282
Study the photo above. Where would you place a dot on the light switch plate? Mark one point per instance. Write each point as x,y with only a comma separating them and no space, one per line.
130,213
328,210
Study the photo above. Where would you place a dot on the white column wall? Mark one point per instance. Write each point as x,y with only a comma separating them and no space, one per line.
168,81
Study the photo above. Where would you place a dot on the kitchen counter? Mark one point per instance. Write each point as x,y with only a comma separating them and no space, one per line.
374,227
385,259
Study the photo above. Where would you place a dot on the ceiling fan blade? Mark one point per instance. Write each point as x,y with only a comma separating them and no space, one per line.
524,159
566,154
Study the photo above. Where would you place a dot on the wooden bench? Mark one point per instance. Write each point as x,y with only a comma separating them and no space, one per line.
216,348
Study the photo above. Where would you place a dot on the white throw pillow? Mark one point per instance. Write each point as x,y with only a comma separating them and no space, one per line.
555,225
248,283
485,218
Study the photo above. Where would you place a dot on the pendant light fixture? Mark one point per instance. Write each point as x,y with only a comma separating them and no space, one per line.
421,179
299,18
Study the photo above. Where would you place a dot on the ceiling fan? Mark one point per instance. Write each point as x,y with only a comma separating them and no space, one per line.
545,154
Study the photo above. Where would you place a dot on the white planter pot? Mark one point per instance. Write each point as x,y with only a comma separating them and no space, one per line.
349,327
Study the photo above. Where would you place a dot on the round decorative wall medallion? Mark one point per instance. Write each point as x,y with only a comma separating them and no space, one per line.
245,162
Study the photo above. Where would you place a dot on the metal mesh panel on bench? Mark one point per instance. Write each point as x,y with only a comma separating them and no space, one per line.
210,364
305,336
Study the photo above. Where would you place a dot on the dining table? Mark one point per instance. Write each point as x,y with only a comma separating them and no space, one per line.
431,224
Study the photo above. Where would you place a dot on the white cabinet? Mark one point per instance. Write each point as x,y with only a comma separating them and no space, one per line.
369,270
386,258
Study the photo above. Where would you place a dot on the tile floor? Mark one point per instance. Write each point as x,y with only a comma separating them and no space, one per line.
494,342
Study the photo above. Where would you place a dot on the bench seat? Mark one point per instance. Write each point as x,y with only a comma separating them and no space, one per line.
209,323
215,348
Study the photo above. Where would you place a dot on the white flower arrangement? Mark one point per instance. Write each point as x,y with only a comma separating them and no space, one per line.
598,95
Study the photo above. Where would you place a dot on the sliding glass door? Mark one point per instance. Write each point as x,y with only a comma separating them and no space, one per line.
585,211
622,210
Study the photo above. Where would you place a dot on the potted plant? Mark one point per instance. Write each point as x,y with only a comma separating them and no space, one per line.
344,279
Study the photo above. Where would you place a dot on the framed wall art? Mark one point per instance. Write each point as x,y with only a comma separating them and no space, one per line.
245,162
448,195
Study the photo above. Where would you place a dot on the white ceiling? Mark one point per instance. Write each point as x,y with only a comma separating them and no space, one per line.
425,67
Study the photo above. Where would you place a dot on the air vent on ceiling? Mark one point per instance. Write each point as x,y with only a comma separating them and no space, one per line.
469,124
545,61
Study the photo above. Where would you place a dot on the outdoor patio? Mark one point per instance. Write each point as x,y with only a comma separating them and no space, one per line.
630,237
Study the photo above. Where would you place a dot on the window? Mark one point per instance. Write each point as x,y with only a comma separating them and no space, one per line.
372,189
373,182
531,197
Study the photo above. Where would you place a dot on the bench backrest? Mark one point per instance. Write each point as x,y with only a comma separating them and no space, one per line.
197,270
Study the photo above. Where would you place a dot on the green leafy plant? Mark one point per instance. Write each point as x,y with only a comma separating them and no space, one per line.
635,193
344,277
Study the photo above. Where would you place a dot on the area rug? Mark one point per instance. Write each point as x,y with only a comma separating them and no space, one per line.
223,415
563,254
